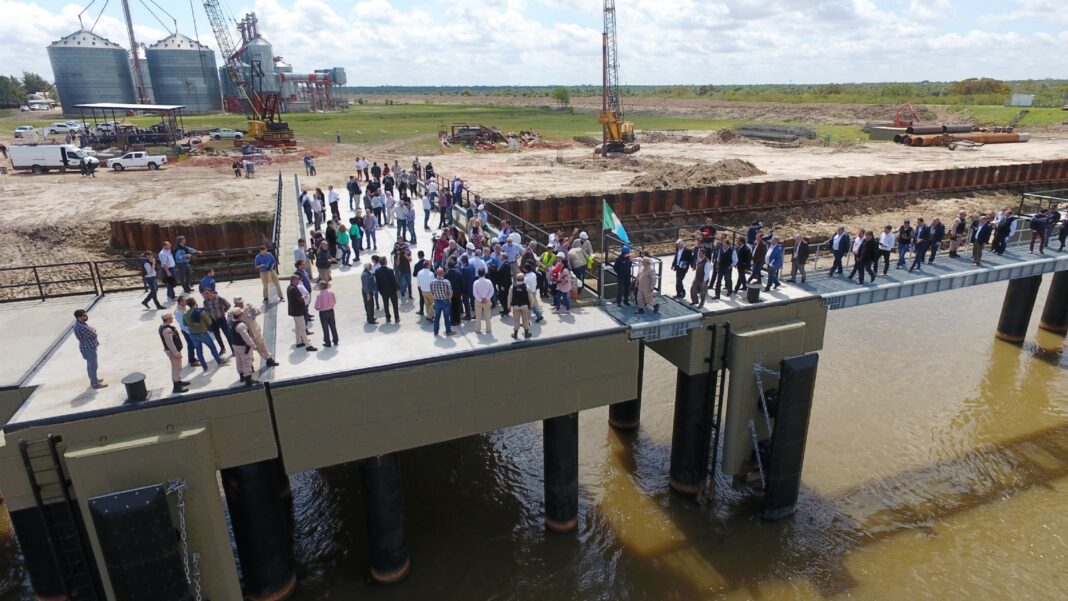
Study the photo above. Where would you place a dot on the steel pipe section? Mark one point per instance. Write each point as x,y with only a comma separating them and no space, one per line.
1017,308
561,472
384,504
1055,313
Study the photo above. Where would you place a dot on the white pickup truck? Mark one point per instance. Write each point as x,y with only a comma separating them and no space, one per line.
137,159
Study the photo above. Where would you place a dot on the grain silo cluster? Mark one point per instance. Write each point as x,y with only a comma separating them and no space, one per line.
178,70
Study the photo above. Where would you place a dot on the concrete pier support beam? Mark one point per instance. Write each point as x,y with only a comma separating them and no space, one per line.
561,472
627,415
1017,308
1055,313
689,435
384,502
259,499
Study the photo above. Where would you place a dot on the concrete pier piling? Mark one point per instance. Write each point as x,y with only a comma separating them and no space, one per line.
384,506
1016,310
1055,313
689,436
561,472
260,504
627,415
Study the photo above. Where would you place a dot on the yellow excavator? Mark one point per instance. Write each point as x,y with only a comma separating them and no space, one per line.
618,133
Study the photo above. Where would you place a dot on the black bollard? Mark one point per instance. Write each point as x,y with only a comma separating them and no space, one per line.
256,497
627,415
1055,313
384,506
561,472
1017,308
37,554
689,435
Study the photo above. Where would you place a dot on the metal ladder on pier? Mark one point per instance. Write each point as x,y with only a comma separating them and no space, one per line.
717,388
51,490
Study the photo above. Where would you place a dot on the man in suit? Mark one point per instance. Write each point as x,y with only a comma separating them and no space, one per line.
775,262
938,233
681,266
744,261
1004,228
867,256
800,257
726,259
840,245
386,282
922,235
981,232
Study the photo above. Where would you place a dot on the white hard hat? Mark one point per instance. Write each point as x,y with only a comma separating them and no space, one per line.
584,236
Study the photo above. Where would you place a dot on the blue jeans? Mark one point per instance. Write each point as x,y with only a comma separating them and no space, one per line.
562,299
90,365
153,289
369,236
901,250
426,219
346,252
404,282
411,231
442,308
199,340
402,228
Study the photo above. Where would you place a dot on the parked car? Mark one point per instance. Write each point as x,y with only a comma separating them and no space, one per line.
59,127
40,158
225,132
24,131
75,125
137,159
24,108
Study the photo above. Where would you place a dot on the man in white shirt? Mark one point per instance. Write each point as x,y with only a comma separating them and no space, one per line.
483,291
334,198
166,264
887,242
428,208
530,278
317,211
424,278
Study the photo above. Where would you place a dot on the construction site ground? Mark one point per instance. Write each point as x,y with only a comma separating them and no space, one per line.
55,217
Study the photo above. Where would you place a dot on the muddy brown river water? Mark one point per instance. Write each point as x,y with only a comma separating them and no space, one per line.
935,469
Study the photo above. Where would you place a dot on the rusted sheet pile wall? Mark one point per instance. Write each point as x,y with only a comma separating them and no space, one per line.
744,197
137,235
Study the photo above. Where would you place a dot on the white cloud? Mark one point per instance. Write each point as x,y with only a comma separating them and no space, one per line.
930,10
473,42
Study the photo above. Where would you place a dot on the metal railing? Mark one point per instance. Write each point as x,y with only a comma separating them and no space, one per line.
277,240
58,280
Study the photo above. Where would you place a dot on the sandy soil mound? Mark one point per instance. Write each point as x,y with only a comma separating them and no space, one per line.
694,176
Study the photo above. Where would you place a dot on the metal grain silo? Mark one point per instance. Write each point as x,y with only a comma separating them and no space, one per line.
183,72
260,50
90,68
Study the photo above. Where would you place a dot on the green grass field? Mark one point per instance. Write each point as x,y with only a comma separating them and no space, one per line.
380,123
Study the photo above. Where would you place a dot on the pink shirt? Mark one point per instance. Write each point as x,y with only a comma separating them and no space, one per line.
325,301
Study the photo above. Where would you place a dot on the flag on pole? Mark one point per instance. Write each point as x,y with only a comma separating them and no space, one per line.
611,222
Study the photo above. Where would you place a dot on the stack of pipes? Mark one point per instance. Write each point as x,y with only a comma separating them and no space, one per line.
944,135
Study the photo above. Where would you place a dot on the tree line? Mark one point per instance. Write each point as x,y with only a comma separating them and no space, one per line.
14,90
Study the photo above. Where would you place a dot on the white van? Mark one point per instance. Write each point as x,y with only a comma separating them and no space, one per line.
40,158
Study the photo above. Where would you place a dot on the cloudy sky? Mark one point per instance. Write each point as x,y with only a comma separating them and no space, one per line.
542,42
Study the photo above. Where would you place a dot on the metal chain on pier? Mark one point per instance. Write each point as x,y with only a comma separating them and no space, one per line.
756,453
757,370
190,561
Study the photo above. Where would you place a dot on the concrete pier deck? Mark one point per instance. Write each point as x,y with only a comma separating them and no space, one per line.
129,342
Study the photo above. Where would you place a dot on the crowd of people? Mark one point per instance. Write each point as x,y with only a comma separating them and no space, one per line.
726,264
468,273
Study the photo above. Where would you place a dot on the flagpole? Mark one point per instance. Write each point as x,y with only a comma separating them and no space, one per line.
604,261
